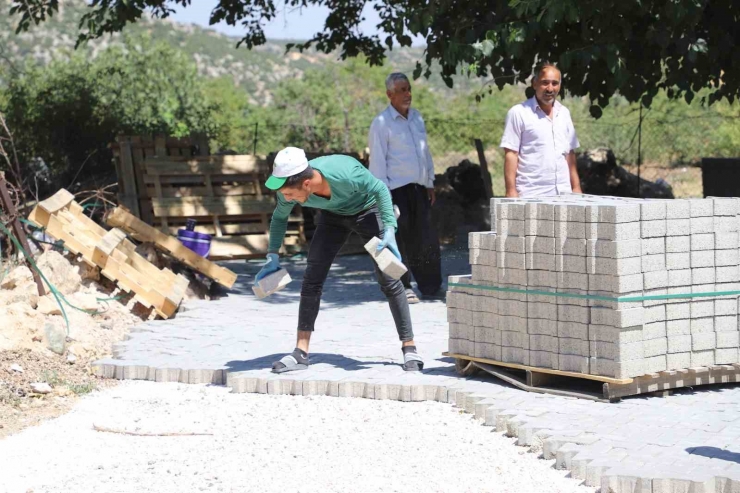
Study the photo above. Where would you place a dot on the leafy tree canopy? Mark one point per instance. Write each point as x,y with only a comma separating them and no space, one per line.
631,47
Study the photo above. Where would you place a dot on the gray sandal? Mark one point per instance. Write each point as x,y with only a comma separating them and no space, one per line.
412,362
291,362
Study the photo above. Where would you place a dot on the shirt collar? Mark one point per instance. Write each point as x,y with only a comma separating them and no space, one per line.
536,106
395,114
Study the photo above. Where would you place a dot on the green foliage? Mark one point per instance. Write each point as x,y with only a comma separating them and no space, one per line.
67,113
634,48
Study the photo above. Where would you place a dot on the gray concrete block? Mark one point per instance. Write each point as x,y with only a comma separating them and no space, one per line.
653,229
543,359
702,325
572,330
653,246
616,267
654,330
655,347
617,318
515,355
547,311
513,309
652,210
511,260
614,249
701,207
677,262
655,313
702,225
541,261
487,351
475,240
510,244
570,263
572,363
624,231
458,316
678,227
605,333
571,246
514,339
510,227
652,263
277,281
725,306
543,343
727,339
514,278
574,347
542,279
725,323
655,280
386,260
617,369
703,276
724,206
679,344
726,356
619,284
572,280
703,341
702,242
702,358
678,244
724,258
617,351
536,326
678,361
724,225
701,308
538,244
678,209
512,324
477,256
727,241
678,311
655,364
482,319
654,293
510,210
617,213
727,274
539,227
488,335
575,230
459,346
462,331
578,314
576,213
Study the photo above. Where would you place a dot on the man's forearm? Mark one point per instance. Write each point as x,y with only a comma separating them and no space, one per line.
511,163
575,181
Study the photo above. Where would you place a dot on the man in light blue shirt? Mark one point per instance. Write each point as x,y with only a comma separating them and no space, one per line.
400,158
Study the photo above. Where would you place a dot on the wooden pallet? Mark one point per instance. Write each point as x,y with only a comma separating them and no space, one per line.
111,252
140,231
594,387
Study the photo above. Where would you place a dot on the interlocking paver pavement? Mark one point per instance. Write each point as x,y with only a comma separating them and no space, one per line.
685,442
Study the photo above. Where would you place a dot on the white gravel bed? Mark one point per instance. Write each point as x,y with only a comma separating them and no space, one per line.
266,443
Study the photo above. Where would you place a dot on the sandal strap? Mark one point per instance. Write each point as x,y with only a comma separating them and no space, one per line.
411,357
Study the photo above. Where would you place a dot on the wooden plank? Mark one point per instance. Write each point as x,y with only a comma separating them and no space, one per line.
223,165
484,171
211,206
230,247
200,140
141,231
197,180
598,378
541,386
233,229
127,181
200,191
139,155
160,146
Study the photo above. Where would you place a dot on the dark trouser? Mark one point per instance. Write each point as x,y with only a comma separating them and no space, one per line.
332,231
417,238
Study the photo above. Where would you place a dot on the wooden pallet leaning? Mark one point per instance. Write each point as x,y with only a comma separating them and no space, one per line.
140,231
225,194
112,252
595,387
129,153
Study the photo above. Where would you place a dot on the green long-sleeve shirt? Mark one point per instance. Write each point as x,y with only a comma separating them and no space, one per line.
353,190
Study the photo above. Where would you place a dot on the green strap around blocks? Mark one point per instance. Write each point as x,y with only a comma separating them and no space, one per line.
620,299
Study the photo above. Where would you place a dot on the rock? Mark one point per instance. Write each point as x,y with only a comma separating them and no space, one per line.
84,301
71,358
40,388
48,306
26,294
106,325
59,271
18,277
85,271
16,368
56,337
600,175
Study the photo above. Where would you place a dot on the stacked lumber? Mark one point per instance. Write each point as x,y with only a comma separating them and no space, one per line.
602,286
111,252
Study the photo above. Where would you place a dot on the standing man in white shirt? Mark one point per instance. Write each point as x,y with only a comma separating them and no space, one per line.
539,142
400,158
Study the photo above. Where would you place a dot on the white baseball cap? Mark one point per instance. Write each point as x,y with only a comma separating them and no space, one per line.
288,162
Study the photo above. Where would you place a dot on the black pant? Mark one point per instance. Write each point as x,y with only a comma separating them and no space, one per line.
417,238
332,231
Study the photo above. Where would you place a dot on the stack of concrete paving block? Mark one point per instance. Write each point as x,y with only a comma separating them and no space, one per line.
590,250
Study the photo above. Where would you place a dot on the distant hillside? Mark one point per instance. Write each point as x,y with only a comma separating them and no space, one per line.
215,54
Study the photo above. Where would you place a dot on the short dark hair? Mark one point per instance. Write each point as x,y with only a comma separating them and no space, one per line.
297,180
542,66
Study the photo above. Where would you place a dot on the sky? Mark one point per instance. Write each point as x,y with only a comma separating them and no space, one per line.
297,24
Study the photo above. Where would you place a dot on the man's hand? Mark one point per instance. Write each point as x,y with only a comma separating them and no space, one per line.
512,193
432,196
389,241
272,265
